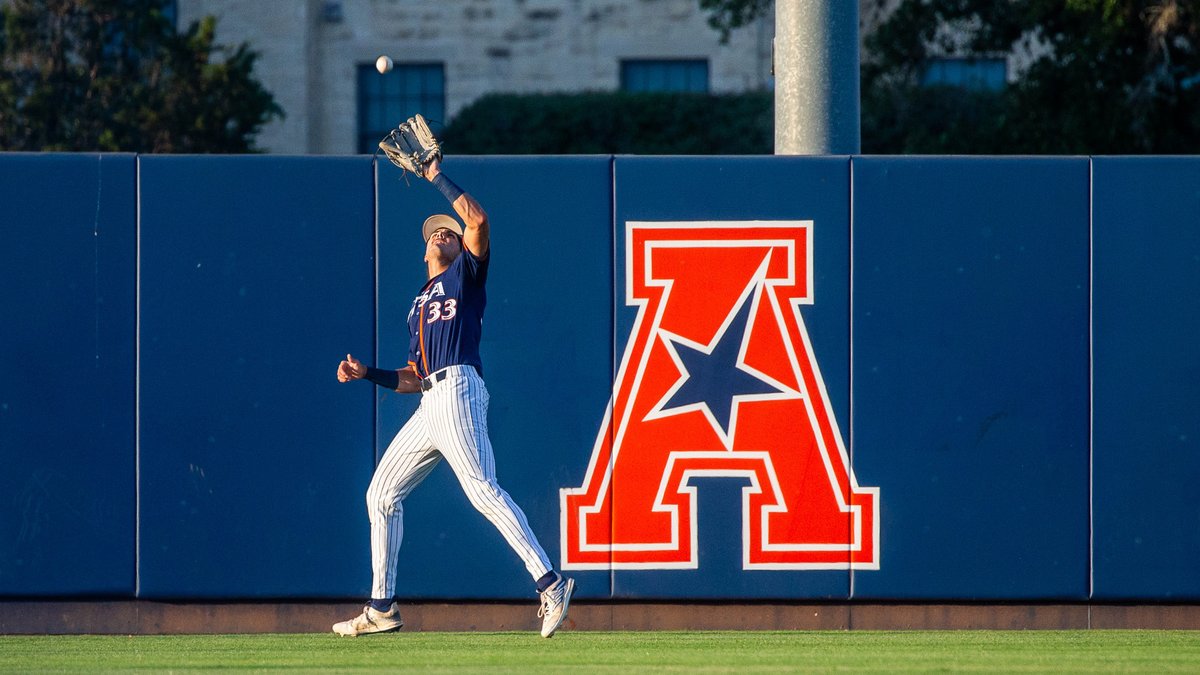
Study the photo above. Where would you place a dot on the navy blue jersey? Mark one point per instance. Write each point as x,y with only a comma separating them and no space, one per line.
446,319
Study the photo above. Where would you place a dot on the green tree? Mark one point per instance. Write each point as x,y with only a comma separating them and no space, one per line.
727,15
1103,77
115,75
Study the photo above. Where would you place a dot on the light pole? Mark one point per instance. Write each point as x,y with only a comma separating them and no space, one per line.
816,77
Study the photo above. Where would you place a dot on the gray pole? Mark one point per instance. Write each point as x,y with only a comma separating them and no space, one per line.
816,77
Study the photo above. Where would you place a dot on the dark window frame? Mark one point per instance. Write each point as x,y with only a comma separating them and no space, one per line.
975,73
669,75
385,100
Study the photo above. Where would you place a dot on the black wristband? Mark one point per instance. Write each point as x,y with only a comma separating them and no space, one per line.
388,379
447,187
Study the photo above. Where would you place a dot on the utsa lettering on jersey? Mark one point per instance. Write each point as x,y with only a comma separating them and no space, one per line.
445,324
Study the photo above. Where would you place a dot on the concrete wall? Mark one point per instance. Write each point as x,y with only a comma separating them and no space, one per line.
309,61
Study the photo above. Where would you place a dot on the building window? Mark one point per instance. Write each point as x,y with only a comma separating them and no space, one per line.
387,100
170,10
664,75
976,74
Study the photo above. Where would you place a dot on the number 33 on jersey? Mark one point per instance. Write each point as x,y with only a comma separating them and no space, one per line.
445,321
438,311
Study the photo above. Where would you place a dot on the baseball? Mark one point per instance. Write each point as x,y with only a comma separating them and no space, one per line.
383,64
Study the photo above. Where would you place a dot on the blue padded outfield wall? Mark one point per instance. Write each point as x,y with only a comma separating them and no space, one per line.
68,261
809,378
255,272
971,374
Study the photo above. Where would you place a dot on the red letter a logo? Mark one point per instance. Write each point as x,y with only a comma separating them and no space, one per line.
718,379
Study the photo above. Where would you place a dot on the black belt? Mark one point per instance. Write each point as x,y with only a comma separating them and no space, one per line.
439,375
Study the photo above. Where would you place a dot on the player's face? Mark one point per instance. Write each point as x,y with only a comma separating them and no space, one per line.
444,244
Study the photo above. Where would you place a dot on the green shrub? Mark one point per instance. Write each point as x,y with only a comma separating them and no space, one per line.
614,123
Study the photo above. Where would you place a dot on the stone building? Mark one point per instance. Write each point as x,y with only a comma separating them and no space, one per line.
318,56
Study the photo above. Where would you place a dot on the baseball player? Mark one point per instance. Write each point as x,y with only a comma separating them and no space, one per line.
444,326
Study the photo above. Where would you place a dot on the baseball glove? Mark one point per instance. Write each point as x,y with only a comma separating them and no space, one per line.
412,146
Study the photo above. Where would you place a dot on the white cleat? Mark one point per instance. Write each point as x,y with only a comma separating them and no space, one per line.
371,621
554,605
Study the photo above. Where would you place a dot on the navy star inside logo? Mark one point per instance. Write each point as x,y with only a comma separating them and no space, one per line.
715,378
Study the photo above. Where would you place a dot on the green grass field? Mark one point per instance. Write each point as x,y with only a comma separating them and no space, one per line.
709,652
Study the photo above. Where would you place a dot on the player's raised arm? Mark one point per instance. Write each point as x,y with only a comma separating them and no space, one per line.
476,235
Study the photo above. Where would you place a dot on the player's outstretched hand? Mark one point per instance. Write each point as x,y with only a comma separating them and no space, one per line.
351,369
434,168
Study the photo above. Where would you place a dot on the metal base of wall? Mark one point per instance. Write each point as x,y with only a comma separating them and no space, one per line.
135,617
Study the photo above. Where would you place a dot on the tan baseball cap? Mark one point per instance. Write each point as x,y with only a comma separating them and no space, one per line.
438,221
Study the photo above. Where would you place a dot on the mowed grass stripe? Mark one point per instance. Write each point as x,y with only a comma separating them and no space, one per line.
584,651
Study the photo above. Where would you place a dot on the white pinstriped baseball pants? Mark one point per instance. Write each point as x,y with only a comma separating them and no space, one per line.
451,422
